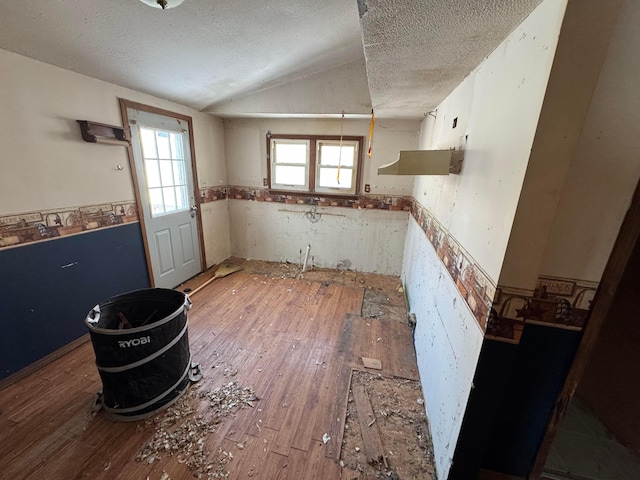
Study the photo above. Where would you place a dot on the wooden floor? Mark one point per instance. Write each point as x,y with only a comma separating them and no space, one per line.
294,340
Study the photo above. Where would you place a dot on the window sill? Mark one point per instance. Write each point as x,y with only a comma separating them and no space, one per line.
297,193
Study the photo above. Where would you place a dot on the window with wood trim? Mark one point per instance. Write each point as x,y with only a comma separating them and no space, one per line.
314,164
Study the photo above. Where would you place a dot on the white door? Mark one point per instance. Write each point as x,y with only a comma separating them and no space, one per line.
165,180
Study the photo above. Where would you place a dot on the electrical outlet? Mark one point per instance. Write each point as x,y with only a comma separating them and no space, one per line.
264,182
367,188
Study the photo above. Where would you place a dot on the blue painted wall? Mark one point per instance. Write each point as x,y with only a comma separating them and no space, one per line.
47,288
541,364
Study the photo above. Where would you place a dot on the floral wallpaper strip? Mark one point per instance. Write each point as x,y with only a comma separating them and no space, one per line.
30,227
555,302
377,202
474,285
211,194
500,312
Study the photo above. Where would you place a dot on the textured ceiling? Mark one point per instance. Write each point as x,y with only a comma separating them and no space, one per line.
209,54
418,51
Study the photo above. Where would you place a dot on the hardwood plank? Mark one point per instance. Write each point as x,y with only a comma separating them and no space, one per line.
373,363
44,362
294,467
296,401
252,456
283,387
318,465
336,412
250,421
360,337
112,447
315,396
370,435
293,340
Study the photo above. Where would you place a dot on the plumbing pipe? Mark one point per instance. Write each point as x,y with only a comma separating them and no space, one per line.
306,257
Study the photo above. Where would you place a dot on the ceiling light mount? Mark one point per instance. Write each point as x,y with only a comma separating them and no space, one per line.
163,4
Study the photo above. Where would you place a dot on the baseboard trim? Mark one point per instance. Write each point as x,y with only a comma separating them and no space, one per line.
37,365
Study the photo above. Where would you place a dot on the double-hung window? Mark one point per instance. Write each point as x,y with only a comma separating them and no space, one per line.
314,164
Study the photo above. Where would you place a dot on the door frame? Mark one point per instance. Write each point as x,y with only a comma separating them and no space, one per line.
124,104
628,236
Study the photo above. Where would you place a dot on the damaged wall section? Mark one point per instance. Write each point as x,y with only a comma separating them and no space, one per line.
497,108
356,239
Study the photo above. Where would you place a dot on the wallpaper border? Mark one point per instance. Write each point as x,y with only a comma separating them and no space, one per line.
25,228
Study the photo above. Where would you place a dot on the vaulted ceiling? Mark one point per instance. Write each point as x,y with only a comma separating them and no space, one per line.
277,57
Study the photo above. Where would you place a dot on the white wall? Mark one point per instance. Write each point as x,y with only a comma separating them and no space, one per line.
579,57
45,162
245,141
448,340
215,222
604,169
497,107
364,240
354,239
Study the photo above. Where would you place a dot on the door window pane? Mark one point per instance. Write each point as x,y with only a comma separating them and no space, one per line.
152,173
156,201
162,139
177,152
182,199
169,199
165,170
179,175
148,139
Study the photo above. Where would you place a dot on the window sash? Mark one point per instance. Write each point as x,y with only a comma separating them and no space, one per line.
317,169
279,166
346,166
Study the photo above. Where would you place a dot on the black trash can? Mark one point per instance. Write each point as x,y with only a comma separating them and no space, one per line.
142,351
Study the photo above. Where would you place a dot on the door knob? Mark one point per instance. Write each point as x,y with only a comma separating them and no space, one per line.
194,208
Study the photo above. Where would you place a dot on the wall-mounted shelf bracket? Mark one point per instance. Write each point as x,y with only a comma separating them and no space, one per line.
94,132
425,162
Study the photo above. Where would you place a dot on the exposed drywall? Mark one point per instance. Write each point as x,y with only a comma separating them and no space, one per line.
355,239
604,169
497,109
351,239
245,143
215,221
447,338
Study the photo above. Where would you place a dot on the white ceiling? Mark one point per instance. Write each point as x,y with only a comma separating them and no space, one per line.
274,57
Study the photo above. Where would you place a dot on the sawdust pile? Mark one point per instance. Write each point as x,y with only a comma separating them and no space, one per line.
182,430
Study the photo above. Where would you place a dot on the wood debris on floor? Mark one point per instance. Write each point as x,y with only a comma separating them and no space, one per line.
294,338
386,431
181,430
